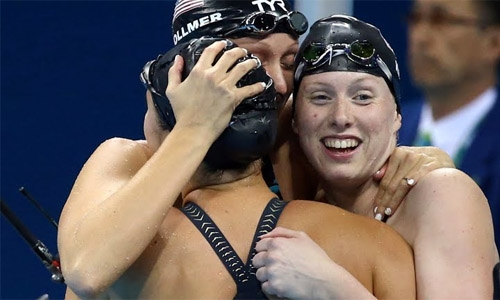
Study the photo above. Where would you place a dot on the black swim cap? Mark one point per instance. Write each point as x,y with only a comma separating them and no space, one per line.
234,18
252,130
344,43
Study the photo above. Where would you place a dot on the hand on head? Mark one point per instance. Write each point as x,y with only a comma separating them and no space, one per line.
207,98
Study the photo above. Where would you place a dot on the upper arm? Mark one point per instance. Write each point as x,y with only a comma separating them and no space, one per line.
111,165
453,240
393,269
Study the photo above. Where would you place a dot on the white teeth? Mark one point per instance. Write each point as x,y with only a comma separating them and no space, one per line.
340,143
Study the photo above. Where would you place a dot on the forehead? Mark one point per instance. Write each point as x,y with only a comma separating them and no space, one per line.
278,43
341,79
455,6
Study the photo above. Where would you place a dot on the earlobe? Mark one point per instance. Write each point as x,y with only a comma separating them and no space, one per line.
398,122
493,45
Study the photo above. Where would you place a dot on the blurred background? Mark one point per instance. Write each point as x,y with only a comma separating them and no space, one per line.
69,81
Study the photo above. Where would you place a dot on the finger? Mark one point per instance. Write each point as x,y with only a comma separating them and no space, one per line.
396,190
380,199
261,274
175,72
229,59
380,173
248,91
209,54
404,188
269,290
280,232
390,182
259,260
263,245
239,70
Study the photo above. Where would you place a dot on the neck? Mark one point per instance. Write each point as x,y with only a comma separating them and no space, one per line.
445,100
356,198
227,186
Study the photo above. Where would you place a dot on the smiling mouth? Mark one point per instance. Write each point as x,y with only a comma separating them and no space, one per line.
341,145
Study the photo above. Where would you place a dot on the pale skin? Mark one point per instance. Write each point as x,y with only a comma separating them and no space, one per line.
445,217
121,171
144,248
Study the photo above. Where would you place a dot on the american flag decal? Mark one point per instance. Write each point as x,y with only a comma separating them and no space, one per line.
181,6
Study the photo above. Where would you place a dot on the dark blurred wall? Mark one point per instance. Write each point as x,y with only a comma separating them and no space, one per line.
70,80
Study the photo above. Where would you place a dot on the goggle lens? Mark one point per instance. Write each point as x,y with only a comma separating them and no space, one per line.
363,53
265,22
362,50
298,22
355,51
312,52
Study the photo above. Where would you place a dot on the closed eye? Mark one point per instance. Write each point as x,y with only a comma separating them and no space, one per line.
320,98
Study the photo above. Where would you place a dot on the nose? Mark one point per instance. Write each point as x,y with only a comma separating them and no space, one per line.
282,80
340,114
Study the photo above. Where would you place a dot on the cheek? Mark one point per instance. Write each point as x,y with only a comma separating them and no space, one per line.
307,123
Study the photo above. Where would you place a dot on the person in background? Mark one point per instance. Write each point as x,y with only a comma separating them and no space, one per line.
346,115
454,58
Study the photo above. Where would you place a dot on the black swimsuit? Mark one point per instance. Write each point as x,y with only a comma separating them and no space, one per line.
247,285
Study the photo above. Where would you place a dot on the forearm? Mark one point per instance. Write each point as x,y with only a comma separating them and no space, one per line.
97,248
342,285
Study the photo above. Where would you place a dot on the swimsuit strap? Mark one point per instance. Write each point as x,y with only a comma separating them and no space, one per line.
267,223
217,240
243,275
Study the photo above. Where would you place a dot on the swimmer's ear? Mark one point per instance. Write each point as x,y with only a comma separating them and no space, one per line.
397,123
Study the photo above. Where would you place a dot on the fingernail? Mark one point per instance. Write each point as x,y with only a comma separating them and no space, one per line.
378,172
258,62
264,85
388,211
378,217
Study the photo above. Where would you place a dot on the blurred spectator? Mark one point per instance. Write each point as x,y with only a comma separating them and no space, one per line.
454,54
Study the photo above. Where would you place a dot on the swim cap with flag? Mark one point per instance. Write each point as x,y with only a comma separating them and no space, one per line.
235,18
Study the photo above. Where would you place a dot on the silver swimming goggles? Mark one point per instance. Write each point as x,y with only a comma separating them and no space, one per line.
316,55
262,23
146,74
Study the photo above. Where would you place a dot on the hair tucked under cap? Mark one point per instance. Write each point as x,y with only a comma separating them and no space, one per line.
197,18
337,30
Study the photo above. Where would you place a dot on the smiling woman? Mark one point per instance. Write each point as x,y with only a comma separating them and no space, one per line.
347,121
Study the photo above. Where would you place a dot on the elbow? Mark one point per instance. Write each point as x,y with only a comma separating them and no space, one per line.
83,283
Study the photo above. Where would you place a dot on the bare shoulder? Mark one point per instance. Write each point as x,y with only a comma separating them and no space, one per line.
124,146
117,154
110,166
334,224
448,176
446,187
